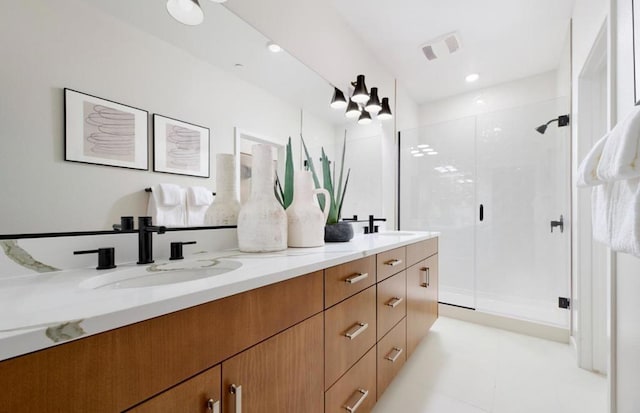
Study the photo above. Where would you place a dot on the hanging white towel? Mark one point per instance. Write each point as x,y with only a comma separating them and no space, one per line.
625,216
587,171
600,213
621,154
167,205
198,201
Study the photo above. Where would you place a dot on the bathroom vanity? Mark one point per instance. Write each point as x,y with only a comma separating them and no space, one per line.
306,330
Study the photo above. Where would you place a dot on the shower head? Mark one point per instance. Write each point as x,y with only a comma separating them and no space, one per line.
563,120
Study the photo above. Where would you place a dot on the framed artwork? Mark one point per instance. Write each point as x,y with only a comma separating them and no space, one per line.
635,8
102,132
180,148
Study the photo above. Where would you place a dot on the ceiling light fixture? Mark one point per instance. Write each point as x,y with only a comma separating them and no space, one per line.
385,112
472,77
338,101
362,101
274,47
360,94
353,111
373,105
186,11
365,118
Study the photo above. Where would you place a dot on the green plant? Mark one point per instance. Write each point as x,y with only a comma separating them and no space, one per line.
336,198
285,195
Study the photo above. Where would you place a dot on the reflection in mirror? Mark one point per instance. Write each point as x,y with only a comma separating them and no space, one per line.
219,75
244,142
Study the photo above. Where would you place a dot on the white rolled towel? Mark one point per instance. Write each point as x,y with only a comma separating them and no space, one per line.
198,201
167,205
588,169
621,154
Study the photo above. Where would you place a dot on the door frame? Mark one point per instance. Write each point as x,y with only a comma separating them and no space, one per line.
591,273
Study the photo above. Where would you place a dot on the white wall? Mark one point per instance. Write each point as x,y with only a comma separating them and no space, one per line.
48,46
628,267
508,95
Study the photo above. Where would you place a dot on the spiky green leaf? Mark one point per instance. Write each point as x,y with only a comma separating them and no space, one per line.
312,168
287,194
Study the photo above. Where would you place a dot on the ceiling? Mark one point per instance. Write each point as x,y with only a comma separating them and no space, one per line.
502,40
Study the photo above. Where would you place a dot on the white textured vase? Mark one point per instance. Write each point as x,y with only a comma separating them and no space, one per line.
262,222
305,219
226,206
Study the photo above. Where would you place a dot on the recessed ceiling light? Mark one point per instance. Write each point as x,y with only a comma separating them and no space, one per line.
414,151
472,77
423,145
274,47
479,101
432,153
417,155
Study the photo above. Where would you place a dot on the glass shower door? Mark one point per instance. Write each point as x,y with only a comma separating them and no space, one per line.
522,267
437,193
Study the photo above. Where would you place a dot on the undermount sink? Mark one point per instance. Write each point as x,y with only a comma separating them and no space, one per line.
171,272
396,233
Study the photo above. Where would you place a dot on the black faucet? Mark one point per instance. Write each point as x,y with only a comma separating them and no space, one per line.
372,228
145,239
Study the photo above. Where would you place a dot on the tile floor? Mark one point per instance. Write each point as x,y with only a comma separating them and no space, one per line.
468,368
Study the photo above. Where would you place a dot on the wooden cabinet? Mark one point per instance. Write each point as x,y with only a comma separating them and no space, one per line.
392,354
391,262
332,338
392,302
356,390
116,370
350,330
200,394
345,280
422,300
281,374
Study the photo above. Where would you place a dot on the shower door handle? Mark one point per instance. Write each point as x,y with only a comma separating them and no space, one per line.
481,212
558,224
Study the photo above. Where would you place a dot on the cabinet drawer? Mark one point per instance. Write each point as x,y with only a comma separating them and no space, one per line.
357,388
392,353
343,281
391,262
392,302
421,250
350,330
198,394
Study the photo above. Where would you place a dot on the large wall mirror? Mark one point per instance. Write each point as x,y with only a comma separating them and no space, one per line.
219,75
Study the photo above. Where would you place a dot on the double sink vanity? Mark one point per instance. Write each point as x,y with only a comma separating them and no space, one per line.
303,330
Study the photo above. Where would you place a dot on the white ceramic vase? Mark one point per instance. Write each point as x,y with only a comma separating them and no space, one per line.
262,222
226,206
305,219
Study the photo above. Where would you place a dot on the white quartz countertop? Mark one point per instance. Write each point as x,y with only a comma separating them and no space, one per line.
44,310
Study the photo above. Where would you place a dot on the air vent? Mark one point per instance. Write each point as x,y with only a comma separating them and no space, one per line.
442,46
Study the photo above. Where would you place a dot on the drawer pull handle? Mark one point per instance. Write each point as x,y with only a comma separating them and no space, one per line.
237,390
213,406
360,395
356,330
394,302
393,263
356,278
394,354
426,278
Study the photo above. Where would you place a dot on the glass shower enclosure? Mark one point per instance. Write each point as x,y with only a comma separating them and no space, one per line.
491,185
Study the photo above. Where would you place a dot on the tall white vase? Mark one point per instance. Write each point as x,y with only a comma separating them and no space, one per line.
262,222
226,205
306,220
